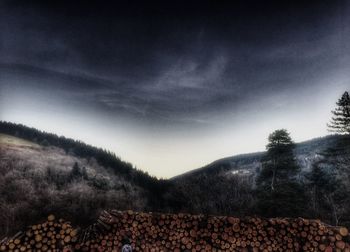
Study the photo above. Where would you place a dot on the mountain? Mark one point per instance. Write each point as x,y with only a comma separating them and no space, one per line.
306,153
37,180
42,173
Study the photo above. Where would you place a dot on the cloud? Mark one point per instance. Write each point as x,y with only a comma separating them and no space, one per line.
173,77
151,64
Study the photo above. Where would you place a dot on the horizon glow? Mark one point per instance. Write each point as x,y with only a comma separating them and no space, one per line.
171,88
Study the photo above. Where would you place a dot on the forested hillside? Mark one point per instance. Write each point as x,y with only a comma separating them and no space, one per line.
41,173
320,187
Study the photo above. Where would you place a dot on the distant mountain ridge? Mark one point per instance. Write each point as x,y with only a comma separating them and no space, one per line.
307,152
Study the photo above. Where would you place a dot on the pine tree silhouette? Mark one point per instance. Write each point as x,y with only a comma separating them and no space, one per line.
340,122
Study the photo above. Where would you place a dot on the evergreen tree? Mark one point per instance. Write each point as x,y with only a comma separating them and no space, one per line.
340,122
278,192
279,163
339,154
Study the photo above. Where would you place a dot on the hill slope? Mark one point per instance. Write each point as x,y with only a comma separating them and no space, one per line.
306,153
41,173
37,180
227,186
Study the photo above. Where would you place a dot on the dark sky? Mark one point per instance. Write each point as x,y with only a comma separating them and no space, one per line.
162,83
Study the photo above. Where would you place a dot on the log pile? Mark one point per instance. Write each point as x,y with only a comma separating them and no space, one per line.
185,232
49,236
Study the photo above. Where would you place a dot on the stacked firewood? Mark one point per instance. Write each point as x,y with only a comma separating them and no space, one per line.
50,235
182,232
185,232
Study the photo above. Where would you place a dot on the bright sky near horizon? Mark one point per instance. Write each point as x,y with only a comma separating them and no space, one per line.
171,89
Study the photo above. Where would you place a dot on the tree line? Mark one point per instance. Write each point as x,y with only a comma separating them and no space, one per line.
281,192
